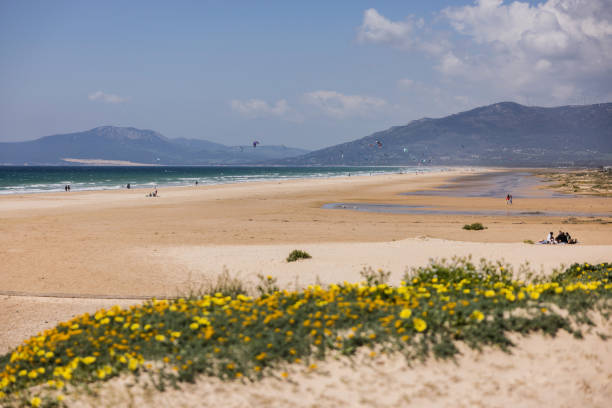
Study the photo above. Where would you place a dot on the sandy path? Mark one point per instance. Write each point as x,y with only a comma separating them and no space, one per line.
337,262
25,316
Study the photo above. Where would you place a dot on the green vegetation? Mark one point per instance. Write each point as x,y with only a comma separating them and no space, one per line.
528,241
298,254
233,337
475,226
588,182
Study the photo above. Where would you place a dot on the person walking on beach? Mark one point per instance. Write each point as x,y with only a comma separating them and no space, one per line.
507,198
510,197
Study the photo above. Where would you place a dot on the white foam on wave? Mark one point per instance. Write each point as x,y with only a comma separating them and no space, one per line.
169,181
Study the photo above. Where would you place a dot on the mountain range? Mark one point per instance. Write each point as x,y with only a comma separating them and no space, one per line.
502,134
126,144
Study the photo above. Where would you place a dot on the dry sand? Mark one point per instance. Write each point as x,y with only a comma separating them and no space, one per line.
123,244
540,372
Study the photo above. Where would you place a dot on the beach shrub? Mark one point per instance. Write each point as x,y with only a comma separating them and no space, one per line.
475,226
267,285
233,337
298,254
528,241
372,278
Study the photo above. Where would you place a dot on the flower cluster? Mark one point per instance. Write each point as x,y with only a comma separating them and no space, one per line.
241,336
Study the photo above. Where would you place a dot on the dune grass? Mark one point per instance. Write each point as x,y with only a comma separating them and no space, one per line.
242,337
474,226
298,254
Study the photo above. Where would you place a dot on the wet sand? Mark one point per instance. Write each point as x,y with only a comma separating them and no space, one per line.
519,183
422,209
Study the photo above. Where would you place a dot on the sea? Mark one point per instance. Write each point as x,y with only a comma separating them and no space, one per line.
41,179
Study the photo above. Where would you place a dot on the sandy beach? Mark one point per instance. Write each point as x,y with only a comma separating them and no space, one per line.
70,253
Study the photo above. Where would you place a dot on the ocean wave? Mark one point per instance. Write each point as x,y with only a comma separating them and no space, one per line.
25,180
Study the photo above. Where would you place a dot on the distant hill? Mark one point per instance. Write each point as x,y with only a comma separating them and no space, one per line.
502,134
136,145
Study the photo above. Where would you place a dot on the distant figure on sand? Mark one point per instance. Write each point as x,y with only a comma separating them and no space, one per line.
561,238
128,186
510,198
507,198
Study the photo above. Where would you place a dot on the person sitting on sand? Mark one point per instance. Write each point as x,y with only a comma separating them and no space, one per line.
551,238
561,238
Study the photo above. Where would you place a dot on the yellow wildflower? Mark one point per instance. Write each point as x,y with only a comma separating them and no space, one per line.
89,360
405,313
419,324
133,365
478,315
35,402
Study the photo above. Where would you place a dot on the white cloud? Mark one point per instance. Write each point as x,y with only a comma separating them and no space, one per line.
559,48
254,108
449,64
379,30
405,83
106,97
338,105
556,51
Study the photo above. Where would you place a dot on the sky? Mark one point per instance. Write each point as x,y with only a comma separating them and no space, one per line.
302,74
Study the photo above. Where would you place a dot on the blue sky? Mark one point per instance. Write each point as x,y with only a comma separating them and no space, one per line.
305,74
